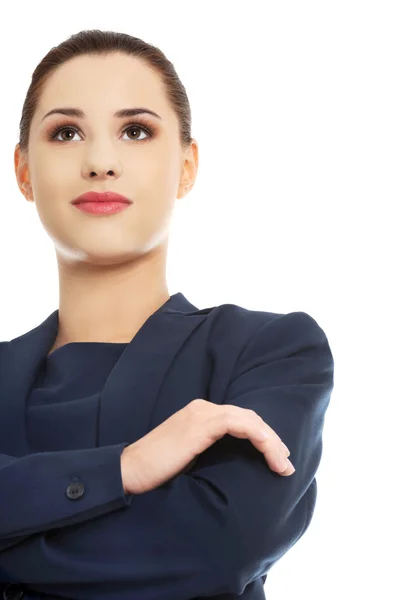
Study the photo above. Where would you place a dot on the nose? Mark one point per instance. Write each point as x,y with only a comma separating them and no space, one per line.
110,172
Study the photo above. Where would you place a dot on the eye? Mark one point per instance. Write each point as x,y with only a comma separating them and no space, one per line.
55,135
141,129
60,131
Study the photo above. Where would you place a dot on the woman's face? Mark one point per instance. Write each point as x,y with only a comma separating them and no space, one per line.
101,152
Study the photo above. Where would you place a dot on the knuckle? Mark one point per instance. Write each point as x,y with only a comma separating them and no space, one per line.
226,416
227,421
230,416
197,404
197,401
252,413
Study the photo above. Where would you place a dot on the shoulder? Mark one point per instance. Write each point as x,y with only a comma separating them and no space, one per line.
236,321
251,337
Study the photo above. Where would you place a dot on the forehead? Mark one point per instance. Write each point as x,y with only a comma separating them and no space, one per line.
103,82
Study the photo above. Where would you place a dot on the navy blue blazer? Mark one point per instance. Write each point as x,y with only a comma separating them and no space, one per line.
68,530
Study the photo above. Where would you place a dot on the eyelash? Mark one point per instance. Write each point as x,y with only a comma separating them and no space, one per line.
65,126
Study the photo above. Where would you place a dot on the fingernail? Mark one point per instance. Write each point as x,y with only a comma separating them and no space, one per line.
282,463
290,465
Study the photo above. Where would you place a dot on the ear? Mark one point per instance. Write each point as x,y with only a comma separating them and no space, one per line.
22,173
189,169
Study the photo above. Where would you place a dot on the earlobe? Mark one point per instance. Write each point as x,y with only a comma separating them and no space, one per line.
26,189
183,190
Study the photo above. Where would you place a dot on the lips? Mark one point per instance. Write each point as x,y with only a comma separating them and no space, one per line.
101,197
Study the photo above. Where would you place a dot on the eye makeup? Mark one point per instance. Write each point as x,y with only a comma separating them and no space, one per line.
68,125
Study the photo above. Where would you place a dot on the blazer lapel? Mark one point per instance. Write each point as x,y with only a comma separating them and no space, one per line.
130,392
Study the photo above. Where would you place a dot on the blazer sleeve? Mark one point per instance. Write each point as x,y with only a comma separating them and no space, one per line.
226,522
26,507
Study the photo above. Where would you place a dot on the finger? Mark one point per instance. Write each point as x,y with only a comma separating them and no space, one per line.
271,431
248,412
245,423
275,457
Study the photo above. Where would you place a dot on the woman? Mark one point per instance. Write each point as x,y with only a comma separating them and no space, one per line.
131,462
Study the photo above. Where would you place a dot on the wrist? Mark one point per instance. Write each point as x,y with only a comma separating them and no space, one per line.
125,470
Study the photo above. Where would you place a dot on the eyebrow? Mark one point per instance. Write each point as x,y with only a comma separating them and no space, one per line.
124,112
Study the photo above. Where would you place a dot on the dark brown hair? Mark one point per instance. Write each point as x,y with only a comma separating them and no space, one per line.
97,42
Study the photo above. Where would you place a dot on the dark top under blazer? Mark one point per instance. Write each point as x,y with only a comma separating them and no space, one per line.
215,530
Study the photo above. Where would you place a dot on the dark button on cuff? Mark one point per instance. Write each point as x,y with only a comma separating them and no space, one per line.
75,490
12,591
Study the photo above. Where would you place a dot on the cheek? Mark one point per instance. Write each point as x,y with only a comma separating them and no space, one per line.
51,193
153,212
48,195
160,173
44,178
50,168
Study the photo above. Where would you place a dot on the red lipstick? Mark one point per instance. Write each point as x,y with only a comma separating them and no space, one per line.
101,202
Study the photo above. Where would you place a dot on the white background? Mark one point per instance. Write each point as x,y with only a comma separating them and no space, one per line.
293,109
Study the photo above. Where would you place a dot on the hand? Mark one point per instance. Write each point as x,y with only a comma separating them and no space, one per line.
176,443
